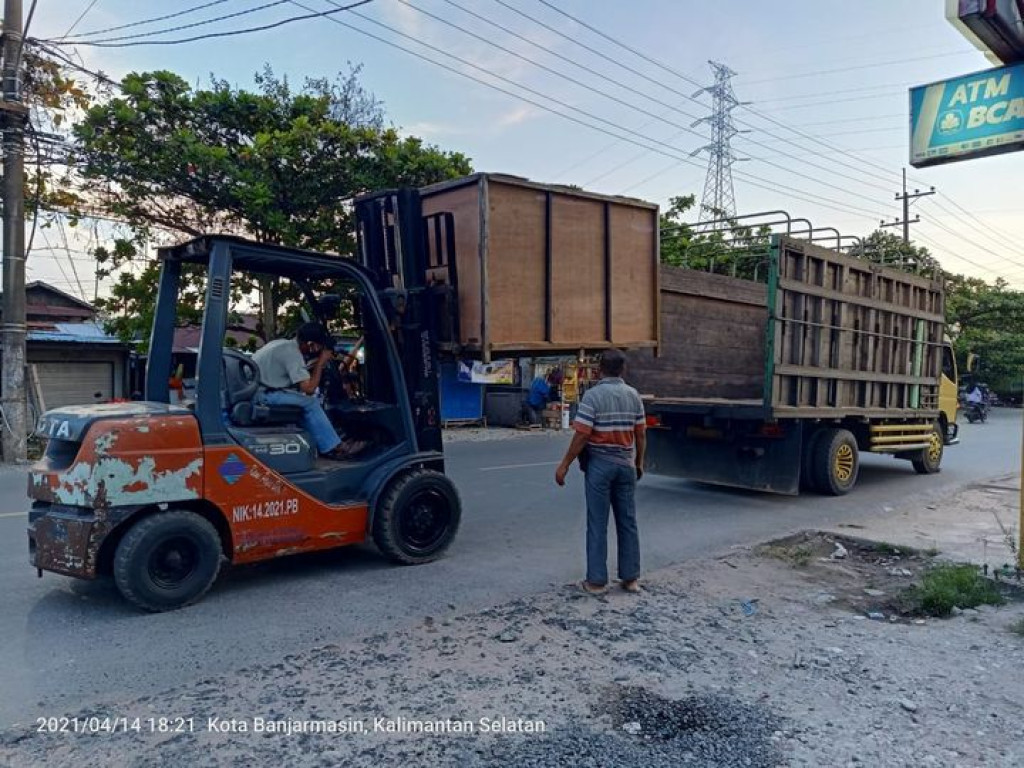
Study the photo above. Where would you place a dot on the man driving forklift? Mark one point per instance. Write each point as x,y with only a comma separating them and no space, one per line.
287,379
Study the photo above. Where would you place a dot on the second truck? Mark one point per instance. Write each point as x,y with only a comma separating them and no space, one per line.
782,385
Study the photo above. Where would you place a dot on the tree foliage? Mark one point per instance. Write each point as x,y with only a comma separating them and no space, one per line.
277,164
889,250
736,250
987,320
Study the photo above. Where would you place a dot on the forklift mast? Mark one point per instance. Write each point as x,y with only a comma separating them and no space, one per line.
417,286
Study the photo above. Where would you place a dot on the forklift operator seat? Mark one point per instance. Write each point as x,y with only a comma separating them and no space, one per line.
241,383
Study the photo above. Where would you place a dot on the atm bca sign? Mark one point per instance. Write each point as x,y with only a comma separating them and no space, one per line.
966,117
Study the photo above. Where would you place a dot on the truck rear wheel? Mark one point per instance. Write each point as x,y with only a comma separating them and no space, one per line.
417,518
167,560
835,463
807,458
927,461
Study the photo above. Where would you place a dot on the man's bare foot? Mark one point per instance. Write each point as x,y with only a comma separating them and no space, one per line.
633,585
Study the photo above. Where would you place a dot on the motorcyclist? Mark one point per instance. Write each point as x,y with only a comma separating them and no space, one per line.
976,402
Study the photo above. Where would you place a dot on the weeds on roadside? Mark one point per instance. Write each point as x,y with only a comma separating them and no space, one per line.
1018,627
947,586
800,555
1009,536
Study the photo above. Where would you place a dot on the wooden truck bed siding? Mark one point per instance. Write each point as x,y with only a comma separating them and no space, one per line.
546,269
846,338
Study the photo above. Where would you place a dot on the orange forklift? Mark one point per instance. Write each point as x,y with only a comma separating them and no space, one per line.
159,495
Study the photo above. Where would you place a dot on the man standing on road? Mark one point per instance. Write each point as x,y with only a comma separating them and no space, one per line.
287,381
611,428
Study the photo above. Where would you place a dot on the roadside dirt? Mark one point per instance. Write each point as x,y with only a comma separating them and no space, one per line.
867,578
761,656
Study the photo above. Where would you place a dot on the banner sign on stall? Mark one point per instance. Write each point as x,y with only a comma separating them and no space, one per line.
496,372
967,117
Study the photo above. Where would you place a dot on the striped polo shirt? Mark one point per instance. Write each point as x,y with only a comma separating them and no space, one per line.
610,414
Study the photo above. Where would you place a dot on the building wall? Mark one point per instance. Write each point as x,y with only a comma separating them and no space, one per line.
70,371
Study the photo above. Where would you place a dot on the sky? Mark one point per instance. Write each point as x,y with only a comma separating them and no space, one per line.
605,93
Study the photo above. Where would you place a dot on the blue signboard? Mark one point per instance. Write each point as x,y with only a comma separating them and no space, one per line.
970,116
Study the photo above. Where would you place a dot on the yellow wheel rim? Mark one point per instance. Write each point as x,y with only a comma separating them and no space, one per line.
934,447
844,462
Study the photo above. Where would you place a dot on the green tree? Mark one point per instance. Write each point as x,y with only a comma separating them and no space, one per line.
277,164
735,250
987,320
888,249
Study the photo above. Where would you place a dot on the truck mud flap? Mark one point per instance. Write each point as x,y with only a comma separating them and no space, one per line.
761,463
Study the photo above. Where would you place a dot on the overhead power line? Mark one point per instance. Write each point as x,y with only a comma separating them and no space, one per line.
228,33
857,167
888,178
152,20
860,160
1005,240
873,65
183,27
786,168
611,129
81,16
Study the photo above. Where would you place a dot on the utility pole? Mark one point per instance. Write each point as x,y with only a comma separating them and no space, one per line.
907,199
13,114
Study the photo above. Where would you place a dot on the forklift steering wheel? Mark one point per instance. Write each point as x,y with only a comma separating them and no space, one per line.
250,372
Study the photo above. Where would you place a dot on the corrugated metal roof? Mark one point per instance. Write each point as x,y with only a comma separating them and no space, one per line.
74,333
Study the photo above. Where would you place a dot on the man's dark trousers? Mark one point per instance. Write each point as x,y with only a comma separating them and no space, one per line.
609,483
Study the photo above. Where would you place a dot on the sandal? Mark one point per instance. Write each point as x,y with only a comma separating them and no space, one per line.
591,589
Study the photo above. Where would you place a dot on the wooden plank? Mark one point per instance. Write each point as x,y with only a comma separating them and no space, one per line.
634,269
515,259
521,181
785,412
846,375
707,285
707,401
577,280
540,347
852,262
792,285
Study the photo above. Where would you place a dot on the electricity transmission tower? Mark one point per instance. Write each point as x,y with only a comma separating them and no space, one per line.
719,201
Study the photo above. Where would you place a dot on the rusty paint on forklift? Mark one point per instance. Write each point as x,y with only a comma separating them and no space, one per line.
270,517
121,462
121,466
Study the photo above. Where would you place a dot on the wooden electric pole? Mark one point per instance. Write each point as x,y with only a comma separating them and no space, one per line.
14,425
907,198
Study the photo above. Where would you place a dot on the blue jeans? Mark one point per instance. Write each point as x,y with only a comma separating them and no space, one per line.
608,483
313,417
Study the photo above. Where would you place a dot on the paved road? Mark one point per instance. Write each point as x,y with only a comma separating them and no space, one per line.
65,644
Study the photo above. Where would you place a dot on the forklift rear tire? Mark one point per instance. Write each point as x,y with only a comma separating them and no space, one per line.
167,560
927,461
417,518
836,462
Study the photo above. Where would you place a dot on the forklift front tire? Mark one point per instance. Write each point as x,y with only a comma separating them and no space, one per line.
417,518
167,560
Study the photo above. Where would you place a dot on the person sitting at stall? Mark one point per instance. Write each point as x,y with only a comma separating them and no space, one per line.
543,390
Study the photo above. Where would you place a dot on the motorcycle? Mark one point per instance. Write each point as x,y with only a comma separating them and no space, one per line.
977,412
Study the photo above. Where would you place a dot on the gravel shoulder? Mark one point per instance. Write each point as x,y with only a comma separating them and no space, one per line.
740,659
